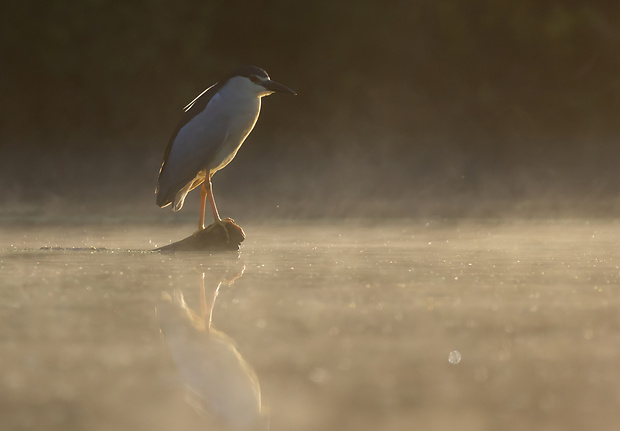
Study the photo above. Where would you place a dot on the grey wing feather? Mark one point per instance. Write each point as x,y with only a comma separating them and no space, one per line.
190,104
187,162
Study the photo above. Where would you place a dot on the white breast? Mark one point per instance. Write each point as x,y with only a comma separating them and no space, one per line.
241,108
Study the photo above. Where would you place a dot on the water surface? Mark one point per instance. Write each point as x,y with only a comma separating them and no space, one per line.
384,325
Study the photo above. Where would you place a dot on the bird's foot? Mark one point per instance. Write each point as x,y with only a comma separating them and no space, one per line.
218,224
234,225
223,224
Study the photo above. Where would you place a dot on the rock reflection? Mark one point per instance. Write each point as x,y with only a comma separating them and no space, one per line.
219,383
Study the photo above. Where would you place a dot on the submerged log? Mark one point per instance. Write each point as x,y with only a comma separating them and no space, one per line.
223,236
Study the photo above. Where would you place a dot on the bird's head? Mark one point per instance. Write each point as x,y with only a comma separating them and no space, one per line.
256,80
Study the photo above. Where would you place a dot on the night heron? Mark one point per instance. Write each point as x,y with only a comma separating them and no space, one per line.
209,135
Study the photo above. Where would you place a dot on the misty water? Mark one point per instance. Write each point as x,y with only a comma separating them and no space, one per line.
384,325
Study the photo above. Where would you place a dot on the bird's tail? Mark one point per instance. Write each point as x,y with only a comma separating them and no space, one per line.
179,198
162,200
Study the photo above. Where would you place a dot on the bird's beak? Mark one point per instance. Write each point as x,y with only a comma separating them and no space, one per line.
277,87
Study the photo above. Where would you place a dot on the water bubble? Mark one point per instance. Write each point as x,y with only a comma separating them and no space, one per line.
454,357
261,323
333,331
319,375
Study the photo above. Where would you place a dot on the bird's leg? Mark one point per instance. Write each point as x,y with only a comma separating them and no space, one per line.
208,190
203,204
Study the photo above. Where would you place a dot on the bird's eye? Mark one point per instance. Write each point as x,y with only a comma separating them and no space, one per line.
254,79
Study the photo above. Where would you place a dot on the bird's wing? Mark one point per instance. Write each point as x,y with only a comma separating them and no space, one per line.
192,109
195,140
190,104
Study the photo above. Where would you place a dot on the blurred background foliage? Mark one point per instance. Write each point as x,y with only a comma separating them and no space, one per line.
415,99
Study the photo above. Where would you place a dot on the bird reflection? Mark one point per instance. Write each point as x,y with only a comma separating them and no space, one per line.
219,383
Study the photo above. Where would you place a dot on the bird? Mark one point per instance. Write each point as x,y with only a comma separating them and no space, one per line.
213,128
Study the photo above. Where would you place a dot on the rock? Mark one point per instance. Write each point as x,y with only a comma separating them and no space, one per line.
211,238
